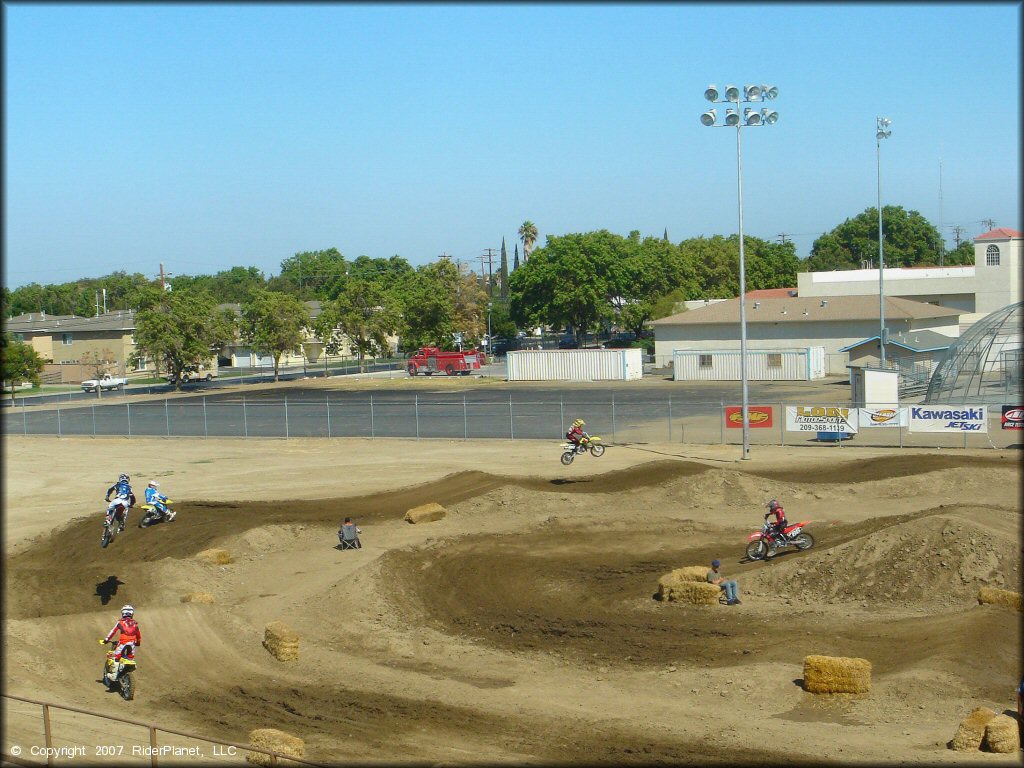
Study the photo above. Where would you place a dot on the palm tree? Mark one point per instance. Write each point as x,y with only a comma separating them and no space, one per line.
528,234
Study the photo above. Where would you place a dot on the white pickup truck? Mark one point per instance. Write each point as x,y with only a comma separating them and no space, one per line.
105,382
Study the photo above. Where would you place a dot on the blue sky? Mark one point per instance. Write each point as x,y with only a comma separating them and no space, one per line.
208,136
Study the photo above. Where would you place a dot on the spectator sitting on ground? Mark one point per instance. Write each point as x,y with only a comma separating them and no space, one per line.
728,586
349,532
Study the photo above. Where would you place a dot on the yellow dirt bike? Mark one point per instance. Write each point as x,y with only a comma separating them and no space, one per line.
152,515
588,443
118,672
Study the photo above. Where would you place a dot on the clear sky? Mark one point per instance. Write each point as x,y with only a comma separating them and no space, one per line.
209,136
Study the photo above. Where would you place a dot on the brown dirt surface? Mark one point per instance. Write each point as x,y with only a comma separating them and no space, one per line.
523,627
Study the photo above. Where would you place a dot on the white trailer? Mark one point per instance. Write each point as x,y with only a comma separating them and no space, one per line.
800,364
575,364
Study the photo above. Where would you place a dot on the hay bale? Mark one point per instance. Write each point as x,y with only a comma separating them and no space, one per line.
678,577
278,741
836,674
1001,735
215,556
282,641
995,596
425,513
972,730
693,592
198,597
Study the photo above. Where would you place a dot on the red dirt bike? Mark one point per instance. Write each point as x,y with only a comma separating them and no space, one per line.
766,542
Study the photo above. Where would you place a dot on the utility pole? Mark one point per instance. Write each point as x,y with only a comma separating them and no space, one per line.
163,282
957,232
783,237
990,223
489,253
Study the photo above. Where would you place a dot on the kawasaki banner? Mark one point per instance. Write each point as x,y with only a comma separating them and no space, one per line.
948,418
821,418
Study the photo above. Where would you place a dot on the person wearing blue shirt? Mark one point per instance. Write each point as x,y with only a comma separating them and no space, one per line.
155,498
124,499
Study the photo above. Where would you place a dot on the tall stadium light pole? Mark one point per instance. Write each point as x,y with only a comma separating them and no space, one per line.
881,123
751,94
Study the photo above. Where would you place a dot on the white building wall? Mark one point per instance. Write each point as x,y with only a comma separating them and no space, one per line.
952,287
575,365
796,365
997,286
831,336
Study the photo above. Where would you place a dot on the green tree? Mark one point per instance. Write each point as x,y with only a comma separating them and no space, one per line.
311,274
363,312
503,272
528,234
910,240
184,333
234,285
428,308
274,323
20,362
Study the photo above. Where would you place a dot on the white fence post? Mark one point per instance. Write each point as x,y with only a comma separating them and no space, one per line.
206,429
245,419
286,432
328,396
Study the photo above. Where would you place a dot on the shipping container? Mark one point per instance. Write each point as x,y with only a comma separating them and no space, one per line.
575,365
803,364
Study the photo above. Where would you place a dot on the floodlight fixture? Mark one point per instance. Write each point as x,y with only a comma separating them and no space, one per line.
769,91
732,93
708,118
732,117
751,93
750,117
711,94
769,116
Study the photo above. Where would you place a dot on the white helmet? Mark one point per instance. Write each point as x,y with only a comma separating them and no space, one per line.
154,484
127,611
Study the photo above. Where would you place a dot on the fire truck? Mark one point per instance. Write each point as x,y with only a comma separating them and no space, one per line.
431,360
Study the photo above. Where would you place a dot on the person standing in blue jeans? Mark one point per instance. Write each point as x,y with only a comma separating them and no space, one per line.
732,596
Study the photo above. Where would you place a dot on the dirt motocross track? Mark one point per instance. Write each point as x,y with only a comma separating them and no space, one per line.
522,628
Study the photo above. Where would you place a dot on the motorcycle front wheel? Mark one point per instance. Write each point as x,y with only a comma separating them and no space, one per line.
127,686
107,536
567,457
757,550
802,541
597,449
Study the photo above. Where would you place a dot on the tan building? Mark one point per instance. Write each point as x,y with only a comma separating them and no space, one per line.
834,323
68,340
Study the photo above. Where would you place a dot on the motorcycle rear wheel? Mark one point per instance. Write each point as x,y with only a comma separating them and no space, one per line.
802,541
127,686
597,449
757,550
567,457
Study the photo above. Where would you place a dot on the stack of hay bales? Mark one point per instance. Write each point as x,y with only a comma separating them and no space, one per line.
275,740
282,641
215,556
688,585
836,674
1001,597
985,730
425,513
198,597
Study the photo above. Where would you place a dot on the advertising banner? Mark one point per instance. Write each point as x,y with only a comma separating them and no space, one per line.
882,416
758,416
1013,417
948,418
821,418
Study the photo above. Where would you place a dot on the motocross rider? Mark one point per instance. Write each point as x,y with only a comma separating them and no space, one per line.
124,498
127,630
157,499
576,435
774,508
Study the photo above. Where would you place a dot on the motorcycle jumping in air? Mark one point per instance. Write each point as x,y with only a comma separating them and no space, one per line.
570,450
766,542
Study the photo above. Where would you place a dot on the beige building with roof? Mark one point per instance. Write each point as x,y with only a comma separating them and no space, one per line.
834,322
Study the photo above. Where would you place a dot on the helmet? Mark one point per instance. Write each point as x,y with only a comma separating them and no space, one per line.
124,478
715,563
773,505
154,484
579,423
127,612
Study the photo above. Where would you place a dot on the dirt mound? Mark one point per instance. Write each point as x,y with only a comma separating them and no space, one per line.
888,467
936,557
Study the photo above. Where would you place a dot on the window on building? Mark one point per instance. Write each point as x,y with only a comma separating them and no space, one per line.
992,256
66,339
704,361
774,359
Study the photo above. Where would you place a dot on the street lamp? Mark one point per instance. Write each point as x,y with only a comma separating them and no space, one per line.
751,94
881,123
490,341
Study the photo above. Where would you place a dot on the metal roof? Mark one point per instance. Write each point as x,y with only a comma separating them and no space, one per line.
915,341
808,309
